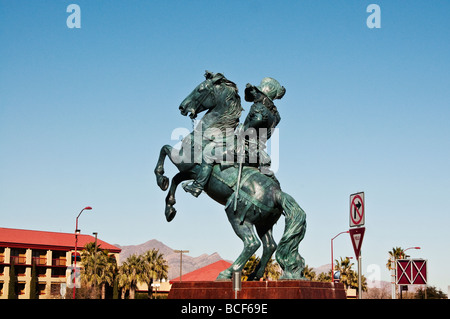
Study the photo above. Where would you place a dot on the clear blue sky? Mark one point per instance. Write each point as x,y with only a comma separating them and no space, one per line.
84,112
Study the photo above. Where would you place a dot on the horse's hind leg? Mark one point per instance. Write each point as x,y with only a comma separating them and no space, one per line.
161,180
269,246
246,233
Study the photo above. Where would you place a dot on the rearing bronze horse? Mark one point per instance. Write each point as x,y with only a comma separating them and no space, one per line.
260,200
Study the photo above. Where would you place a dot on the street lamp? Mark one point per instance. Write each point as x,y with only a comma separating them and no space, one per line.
332,260
403,251
77,231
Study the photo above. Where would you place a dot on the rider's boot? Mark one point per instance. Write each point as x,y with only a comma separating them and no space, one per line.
198,185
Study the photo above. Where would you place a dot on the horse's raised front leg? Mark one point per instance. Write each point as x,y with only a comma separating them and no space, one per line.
161,180
170,198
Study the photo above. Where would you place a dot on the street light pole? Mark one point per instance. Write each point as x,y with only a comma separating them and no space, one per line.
409,248
332,260
394,271
181,258
95,262
75,253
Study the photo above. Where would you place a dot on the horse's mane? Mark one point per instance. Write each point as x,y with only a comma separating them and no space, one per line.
230,117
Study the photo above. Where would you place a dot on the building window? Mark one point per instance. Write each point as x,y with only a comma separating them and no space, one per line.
59,272
20,270
41,271
59,258
21,288
40,257
41,289
18,256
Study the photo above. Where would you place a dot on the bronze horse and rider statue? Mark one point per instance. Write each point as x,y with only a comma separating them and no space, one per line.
227,160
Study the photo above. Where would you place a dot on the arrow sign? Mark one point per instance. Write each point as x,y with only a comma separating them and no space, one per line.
357,211
357,235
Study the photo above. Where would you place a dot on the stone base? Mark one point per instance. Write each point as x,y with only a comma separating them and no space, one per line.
282,289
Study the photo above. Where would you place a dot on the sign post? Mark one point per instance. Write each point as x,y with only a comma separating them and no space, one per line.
357,220
357,235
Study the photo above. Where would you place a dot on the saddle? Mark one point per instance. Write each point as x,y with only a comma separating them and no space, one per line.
244,198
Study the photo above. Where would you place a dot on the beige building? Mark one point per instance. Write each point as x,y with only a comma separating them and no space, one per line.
52,254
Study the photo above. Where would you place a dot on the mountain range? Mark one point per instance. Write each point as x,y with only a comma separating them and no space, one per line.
192,263
189,263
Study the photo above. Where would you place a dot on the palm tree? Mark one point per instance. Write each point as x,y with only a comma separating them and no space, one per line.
396,253
348,276
88,274
309,273
249,267
107,270
99,267
122,280
272,271
129,274
154,267
324,276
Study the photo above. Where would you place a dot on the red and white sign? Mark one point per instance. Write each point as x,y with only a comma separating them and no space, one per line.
411,272
357,235
357,209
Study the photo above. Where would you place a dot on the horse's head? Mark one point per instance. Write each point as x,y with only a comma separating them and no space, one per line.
202,98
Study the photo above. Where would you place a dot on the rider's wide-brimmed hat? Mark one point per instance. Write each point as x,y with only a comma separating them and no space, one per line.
269,87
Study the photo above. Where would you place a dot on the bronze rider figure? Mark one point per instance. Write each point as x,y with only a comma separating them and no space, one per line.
262,119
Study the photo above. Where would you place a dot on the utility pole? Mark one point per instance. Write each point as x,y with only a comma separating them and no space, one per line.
392,267
181,258
95,262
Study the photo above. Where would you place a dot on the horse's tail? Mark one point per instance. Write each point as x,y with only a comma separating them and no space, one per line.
287,254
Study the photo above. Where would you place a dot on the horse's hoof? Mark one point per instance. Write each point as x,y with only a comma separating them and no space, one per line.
163,182
224,275
170,213
253,277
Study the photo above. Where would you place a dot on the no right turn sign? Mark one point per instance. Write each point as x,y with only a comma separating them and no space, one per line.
357,209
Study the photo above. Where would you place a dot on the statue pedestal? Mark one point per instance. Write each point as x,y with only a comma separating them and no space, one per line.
282,289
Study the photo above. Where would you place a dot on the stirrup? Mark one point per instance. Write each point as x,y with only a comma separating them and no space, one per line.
194,190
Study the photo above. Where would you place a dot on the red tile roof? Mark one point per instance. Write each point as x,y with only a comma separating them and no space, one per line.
36,239
207,273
